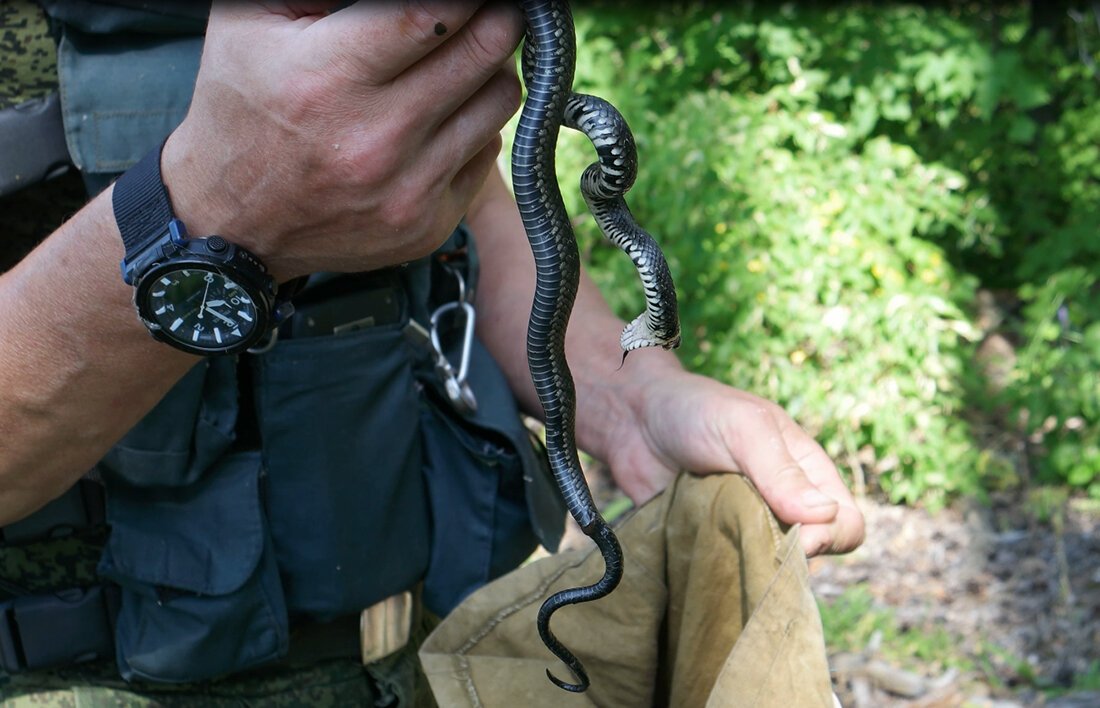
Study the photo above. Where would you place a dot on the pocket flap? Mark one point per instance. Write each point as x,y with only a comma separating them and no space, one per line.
205,538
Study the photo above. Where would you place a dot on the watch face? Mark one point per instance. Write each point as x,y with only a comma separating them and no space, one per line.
200,309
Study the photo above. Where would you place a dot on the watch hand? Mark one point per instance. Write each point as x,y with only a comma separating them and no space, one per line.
215,303
206,292
221,317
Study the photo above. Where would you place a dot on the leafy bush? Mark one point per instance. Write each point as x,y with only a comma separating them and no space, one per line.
833,184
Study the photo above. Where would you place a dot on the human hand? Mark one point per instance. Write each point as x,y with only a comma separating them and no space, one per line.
345,140
684,421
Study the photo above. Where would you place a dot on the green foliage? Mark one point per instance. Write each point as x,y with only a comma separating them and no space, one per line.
852,621
833,183
1056,387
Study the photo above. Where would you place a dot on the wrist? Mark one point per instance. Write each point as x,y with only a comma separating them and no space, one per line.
210,202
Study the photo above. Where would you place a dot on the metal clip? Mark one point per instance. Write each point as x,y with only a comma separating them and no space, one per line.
458,391
456,385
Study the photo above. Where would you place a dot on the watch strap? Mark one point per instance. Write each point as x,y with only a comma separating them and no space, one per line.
141,205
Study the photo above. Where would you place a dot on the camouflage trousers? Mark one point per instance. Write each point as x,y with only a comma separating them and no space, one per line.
396,681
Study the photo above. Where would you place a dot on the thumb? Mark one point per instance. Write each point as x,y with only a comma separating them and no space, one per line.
790,493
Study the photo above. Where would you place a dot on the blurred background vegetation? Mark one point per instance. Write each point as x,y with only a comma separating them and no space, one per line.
881,215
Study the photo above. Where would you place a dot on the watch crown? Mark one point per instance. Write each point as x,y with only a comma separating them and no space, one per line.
217,244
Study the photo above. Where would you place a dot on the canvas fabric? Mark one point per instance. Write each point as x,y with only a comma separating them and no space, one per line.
715,610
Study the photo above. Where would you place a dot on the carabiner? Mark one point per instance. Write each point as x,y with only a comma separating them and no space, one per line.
457,387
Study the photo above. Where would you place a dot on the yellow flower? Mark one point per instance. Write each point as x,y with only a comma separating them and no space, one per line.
755,265
720,228
797,357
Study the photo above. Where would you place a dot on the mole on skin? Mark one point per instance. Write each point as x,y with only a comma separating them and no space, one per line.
440,29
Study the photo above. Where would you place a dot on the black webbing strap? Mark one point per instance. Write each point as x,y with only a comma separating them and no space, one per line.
141,204
60,629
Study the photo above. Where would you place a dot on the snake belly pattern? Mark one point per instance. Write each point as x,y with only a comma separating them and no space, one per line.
548,65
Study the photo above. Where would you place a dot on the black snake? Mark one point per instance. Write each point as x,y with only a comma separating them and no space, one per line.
548,63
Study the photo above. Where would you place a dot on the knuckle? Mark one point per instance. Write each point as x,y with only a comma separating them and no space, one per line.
380,161
403,212
372,159
493,38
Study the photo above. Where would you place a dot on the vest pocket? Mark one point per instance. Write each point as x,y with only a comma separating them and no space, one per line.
200,592
338,416
480,524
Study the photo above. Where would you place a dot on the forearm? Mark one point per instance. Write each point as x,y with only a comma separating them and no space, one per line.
357,184
77,369
607,397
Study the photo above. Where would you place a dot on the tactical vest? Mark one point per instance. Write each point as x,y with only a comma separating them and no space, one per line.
305,482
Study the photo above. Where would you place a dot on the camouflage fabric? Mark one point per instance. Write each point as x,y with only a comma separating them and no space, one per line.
29,66
396,681
49,566
332,683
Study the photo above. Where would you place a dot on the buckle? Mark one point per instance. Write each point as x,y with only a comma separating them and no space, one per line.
45,631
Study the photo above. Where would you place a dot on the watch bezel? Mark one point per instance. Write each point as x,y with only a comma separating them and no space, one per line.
259,292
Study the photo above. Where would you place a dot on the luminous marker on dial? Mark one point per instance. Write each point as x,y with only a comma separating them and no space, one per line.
244,316
218,335
176,325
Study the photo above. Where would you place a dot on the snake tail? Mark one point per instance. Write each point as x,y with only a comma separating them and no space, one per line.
608,544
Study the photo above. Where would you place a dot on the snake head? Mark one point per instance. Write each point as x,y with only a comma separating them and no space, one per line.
639,333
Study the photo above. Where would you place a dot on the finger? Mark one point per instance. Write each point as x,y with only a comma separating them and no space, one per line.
447,78
765,457
842,535
389,37
475,124
471,176
846,531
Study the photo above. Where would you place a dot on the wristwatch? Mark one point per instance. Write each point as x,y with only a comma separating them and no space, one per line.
205,296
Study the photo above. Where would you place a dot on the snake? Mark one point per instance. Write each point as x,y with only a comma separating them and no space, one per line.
548,64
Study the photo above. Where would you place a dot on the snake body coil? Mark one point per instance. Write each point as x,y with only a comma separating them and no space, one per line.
548,64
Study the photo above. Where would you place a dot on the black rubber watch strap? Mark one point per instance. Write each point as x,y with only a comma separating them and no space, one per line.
141,205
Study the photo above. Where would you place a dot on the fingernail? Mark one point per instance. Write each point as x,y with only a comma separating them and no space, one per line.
814,498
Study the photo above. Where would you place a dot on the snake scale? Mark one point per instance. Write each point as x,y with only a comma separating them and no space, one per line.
548,64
